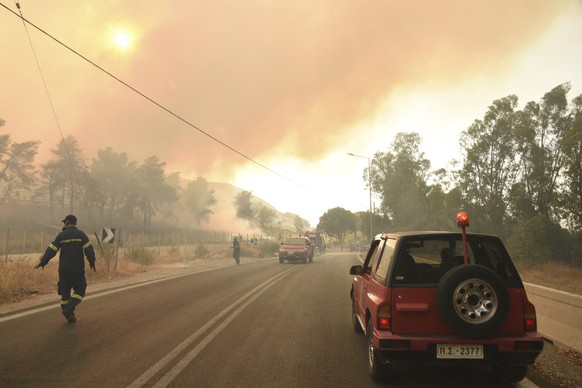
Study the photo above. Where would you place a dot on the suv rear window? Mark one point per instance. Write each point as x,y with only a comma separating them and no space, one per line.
425,259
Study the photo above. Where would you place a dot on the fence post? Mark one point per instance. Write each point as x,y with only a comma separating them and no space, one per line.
6,238
119,234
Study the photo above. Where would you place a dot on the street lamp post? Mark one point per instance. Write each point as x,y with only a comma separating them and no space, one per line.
370,190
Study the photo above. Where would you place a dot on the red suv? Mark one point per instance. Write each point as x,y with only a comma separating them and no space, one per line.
443,298
295,249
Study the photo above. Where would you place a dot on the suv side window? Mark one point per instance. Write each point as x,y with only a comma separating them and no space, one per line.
384,261
372,256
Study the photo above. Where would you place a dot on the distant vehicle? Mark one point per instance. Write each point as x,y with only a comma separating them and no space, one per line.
296,249
444,298
318,239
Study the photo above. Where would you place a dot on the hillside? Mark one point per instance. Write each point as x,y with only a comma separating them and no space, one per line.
35,215
225,213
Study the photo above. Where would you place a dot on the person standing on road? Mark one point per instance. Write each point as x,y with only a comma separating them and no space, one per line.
74,245
236,250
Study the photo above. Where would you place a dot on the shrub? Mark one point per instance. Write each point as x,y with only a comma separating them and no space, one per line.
201,251
268,248
540,240
141,255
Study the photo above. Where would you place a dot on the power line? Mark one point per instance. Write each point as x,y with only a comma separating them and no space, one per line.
167,110
66,147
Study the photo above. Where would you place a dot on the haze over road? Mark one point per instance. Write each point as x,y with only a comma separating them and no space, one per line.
260,324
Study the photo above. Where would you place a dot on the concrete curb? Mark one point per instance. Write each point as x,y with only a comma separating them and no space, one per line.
559,315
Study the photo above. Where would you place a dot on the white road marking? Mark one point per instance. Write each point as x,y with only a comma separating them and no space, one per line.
99,294
183,363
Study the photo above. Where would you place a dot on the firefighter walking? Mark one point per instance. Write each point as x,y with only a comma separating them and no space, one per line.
74,246
236,250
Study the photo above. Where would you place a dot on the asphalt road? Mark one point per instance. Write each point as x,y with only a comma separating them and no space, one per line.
260,324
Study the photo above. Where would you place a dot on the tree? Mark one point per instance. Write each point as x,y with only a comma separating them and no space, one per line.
571,198
16,166
243,205
538,239
199,198
399,176
490,164
444,200
265,217
543,126
337,222
151,190
110,181
65,175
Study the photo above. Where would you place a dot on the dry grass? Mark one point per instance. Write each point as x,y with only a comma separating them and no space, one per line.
551,274
19,280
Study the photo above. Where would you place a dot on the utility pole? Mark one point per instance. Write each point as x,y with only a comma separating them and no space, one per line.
370,191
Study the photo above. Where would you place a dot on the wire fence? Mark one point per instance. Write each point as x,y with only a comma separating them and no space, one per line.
19,242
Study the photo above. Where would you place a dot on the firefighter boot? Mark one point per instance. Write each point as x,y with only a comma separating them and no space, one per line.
69,308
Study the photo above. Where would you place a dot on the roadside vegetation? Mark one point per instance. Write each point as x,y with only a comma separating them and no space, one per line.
518,174
560,276
19,280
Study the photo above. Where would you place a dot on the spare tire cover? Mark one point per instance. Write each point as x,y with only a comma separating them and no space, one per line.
472,300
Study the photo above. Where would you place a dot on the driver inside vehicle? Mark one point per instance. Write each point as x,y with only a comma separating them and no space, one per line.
406,266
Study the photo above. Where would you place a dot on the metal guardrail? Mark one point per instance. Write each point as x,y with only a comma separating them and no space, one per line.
559,315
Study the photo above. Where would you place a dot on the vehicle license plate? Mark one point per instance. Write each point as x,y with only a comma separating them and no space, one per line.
460,351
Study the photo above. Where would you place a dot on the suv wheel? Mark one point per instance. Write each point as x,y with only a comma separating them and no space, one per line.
472,300
378,370
509,373
281,261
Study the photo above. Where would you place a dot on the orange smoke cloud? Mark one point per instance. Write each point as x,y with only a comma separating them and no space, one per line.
265,78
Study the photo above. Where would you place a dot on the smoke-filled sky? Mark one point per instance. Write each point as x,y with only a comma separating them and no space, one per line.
292,85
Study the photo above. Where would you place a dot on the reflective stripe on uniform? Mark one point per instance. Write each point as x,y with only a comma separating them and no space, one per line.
77,296
54,248
87,245
71,240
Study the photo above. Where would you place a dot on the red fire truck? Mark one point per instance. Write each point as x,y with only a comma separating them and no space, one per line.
318,239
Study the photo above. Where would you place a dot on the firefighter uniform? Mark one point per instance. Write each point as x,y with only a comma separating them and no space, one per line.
74,245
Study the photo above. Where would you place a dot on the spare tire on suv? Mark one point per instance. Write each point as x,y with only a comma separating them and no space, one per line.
472,300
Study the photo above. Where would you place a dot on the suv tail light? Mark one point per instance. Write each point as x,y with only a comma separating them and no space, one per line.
384,317
529,317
